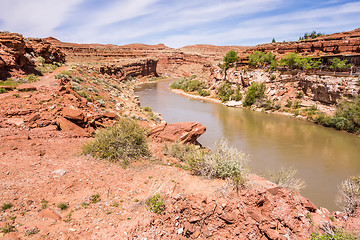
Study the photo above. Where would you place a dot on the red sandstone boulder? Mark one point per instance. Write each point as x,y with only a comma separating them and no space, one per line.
67,125
73,114
185,132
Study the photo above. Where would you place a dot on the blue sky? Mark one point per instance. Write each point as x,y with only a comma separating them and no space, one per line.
177,23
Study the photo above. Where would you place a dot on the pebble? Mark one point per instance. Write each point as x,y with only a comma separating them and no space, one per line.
72,230
59,172
180,231
97,228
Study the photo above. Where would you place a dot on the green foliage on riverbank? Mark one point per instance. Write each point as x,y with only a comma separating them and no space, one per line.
226,93
262,59
347,116
255,92
122,142
191,85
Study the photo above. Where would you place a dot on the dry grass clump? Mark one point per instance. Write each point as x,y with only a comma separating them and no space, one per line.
122,142
286,178
227,163
349,194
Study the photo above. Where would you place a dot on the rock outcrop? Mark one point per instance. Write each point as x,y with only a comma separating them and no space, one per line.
185,132
337,43
18,54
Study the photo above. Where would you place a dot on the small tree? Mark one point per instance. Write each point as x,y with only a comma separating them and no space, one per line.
273,40
338,64
230,58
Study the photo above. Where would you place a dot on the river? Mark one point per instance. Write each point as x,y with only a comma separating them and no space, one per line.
323,157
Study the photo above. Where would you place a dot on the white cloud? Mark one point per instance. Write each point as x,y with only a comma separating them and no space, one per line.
35,18
175,23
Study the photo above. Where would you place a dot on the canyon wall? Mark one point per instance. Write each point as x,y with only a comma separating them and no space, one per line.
18,55
337,43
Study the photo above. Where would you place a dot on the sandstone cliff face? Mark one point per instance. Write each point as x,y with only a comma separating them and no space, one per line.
337,43
17,54
281,86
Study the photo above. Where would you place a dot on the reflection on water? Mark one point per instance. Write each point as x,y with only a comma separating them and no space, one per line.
323,157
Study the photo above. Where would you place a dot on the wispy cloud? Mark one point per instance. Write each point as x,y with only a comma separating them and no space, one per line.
36,18
177,23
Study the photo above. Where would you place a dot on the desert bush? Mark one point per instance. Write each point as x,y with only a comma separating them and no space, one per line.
299,94
255,91
227,163
288,103
332,233
286,178
192,155
155,204
147,109
349,194
125,141
7,228
62,206
6,206
3,90
31,78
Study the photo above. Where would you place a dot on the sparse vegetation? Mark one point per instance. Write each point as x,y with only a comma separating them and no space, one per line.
3,90
122,142
155,204
8,228
333,233
44,204
286,178
31,78
192,155
95,198
349,194
32,231
311,35
6,206
62,206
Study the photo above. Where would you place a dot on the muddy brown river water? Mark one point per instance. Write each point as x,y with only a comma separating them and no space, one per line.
323,157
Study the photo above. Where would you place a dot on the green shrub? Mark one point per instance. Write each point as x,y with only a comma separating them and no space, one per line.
349,194
255,91
225,91
3,90
31,78
192,155
227,163
6,206
147,109
338,64
95,198
299,94
155,204
62,206
288,103
191,85
347,116
7,228
125,141
286,178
